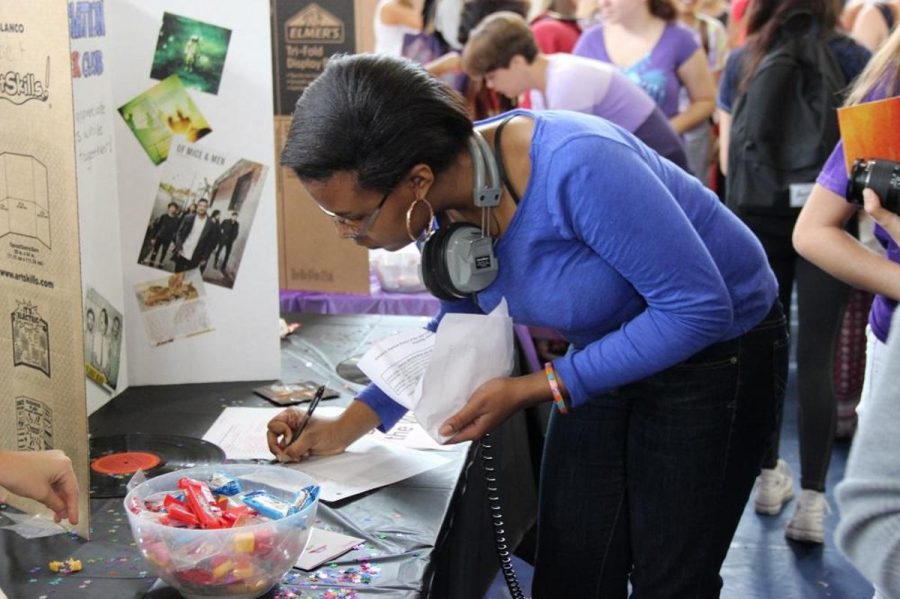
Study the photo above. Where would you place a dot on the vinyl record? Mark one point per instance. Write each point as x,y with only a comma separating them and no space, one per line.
116,458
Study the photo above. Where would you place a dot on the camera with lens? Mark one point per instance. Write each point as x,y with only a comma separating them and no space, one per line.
881,176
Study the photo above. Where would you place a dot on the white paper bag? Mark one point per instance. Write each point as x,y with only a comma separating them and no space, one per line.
468,350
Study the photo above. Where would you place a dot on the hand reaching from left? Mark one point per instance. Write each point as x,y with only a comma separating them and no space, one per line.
45,476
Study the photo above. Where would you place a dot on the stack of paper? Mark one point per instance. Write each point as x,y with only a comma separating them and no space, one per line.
371,462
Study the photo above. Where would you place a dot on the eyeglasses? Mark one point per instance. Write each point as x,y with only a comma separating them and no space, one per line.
354,228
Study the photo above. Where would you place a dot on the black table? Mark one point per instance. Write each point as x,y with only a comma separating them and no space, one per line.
430,535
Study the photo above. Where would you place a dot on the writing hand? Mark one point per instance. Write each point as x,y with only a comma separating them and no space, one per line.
321,437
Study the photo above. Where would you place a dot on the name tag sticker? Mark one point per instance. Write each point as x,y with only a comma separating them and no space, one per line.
799,194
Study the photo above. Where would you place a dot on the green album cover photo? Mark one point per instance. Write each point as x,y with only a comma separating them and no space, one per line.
193,50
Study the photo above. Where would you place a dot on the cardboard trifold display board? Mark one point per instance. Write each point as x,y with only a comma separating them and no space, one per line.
304,35
43,389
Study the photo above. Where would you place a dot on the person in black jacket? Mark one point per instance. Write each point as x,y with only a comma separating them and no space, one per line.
162,233
228,233
195,239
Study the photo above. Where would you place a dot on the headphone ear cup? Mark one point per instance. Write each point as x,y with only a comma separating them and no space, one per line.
435,272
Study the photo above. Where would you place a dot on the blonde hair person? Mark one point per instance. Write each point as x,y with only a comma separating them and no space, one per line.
643,39
394,19
820,237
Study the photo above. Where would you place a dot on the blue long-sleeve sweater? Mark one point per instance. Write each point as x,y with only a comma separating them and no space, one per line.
629,258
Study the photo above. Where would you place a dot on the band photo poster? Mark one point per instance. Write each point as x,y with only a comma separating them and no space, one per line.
202,213
102,340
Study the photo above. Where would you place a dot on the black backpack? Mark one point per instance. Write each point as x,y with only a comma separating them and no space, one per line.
784,124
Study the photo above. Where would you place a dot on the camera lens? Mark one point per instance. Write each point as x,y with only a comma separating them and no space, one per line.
882,176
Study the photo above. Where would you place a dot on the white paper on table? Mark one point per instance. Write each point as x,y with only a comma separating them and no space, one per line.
469,350
371,462
323,546
409,433
241,432
397,363
33,526
367,464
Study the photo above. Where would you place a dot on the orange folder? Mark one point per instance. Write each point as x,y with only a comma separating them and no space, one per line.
871,130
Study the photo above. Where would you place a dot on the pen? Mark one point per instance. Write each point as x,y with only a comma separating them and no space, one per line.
309,412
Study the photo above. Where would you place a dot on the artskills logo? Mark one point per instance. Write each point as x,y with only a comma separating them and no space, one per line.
20,87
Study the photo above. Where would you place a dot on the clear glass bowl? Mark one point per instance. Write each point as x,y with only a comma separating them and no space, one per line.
240,563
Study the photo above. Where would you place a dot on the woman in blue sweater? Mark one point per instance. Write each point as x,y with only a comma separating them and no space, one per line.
678,346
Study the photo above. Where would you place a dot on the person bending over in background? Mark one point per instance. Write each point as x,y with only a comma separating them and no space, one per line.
502,51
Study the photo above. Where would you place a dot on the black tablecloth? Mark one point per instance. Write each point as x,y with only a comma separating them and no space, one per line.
430,535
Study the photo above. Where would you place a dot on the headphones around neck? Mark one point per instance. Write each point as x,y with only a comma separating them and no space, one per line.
458,259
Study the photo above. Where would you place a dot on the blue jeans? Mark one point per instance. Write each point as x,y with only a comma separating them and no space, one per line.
647,483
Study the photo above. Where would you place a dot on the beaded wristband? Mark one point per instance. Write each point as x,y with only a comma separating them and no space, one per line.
554,388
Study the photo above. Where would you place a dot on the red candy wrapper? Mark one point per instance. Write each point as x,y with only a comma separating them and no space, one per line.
178,514
201,502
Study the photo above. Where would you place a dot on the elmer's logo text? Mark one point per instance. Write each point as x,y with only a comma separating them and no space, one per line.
314,24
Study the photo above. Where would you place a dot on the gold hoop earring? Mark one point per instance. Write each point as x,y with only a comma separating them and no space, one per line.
429,229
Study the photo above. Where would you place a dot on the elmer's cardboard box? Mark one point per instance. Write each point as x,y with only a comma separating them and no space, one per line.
304,35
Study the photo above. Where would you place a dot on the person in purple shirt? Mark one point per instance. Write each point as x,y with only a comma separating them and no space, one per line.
678,356
503,51
869,496
819,236
645,41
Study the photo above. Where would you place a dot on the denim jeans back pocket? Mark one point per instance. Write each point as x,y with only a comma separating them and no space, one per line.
709,376
715,356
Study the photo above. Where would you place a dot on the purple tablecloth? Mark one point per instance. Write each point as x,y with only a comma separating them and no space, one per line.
377,302
383,302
